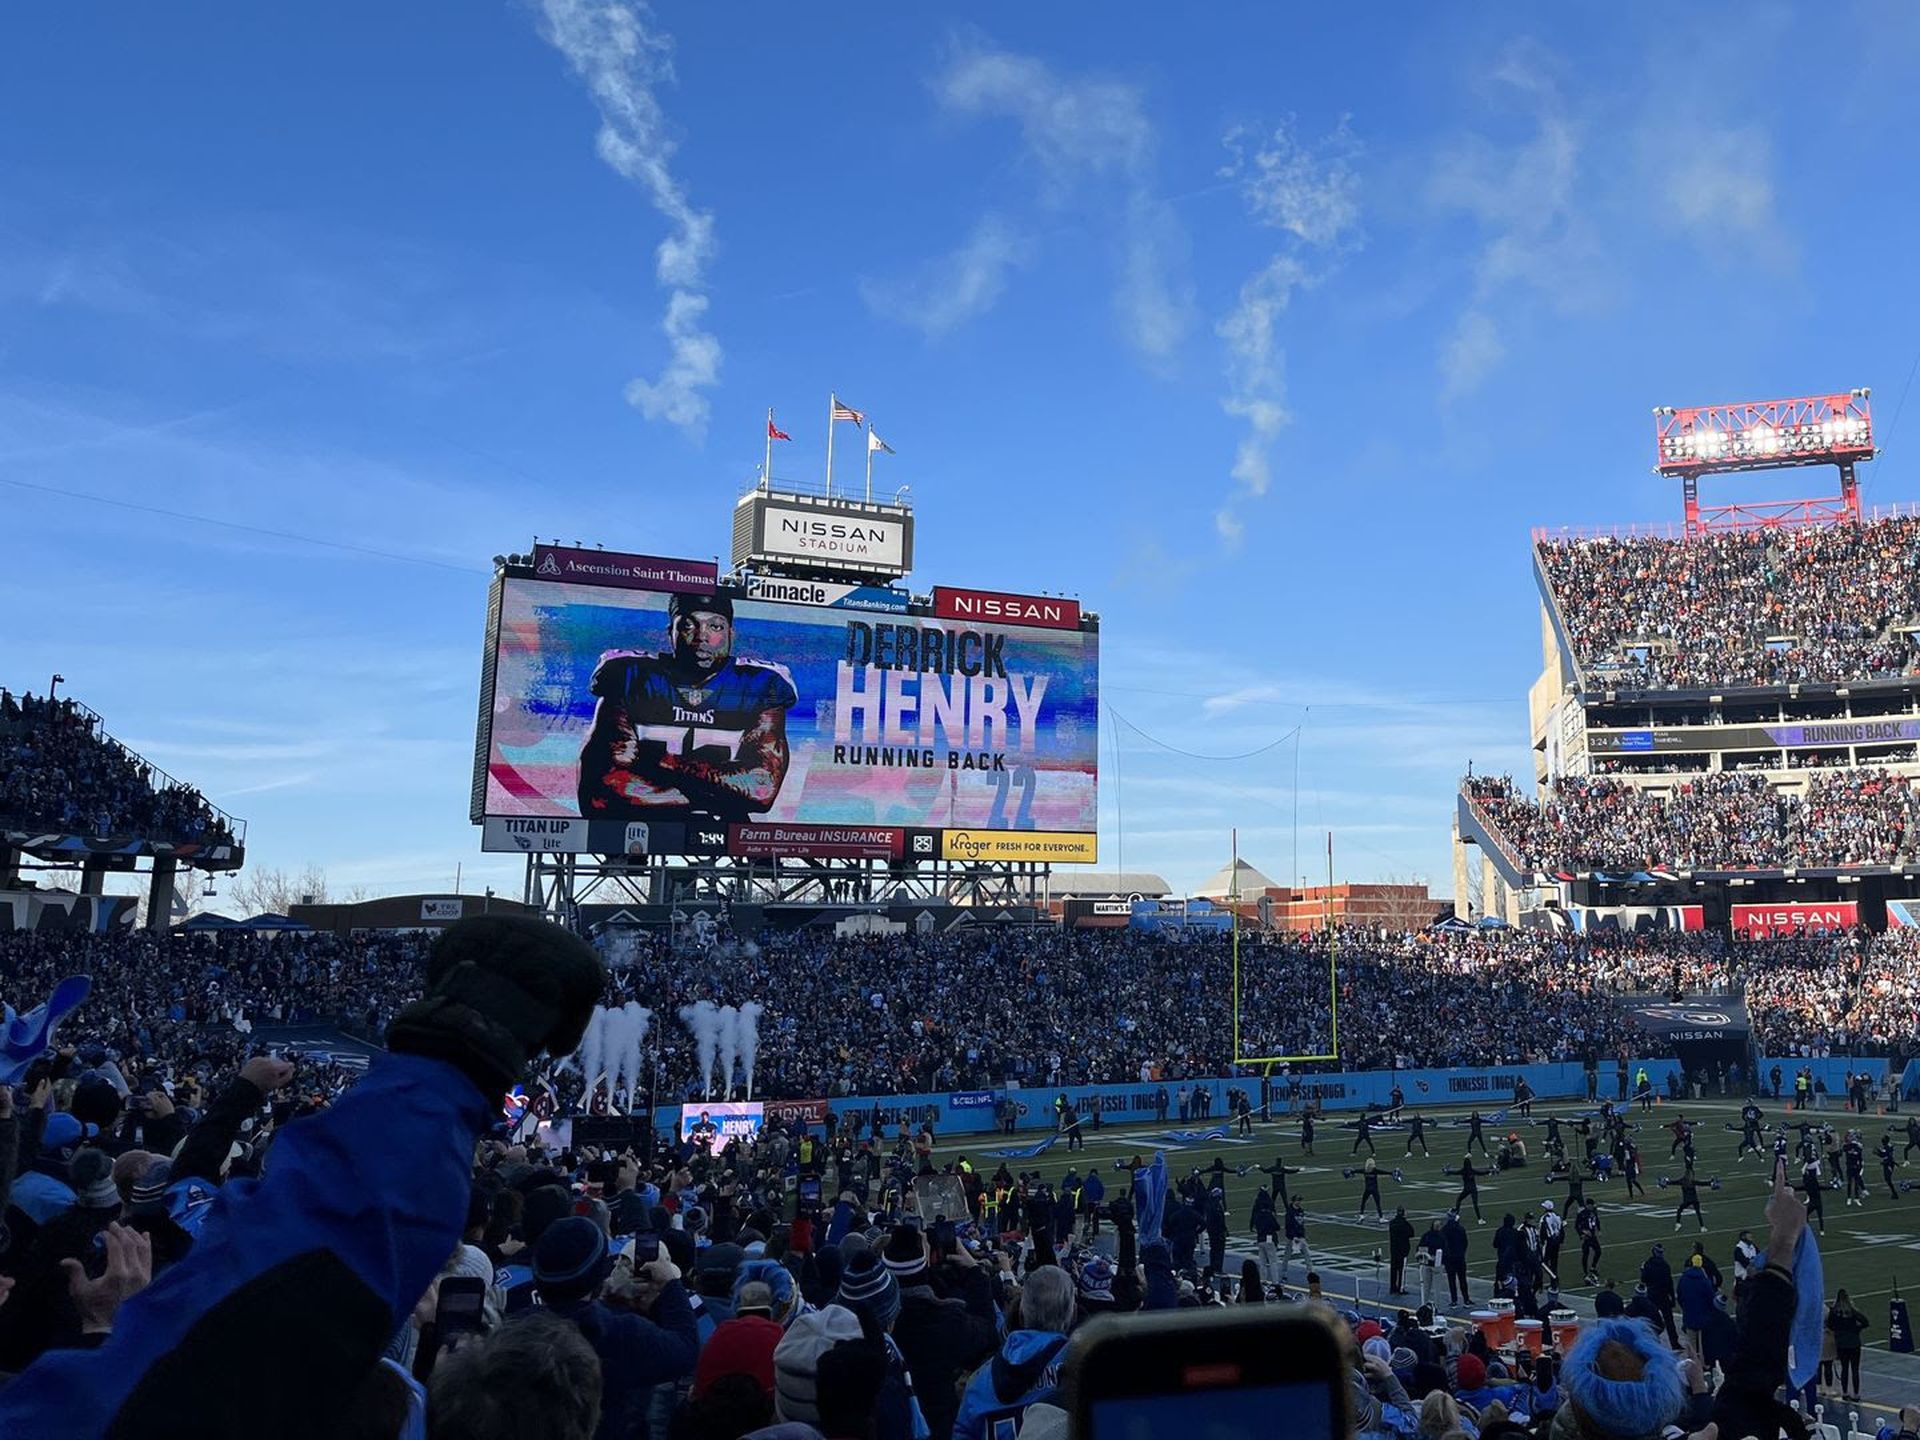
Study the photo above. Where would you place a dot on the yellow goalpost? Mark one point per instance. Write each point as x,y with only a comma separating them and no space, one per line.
1333,961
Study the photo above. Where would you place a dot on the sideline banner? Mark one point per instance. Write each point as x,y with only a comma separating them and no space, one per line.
786,1112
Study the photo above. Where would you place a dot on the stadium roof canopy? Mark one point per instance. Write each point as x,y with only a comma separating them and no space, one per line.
1107,882
1251,882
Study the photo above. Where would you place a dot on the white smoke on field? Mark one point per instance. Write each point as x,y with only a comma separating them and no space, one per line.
613,1045
749,1046
702,1018
627,1037
591,1056
729,1038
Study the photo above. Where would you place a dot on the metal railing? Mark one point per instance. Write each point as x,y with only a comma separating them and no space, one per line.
849,491
1676,530
158,780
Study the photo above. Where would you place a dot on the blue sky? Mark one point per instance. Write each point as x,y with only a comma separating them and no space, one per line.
1270,335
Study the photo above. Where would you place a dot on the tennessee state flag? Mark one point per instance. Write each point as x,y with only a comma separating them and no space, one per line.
774,432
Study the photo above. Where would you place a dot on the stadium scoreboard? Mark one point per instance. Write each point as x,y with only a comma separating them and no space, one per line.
637,706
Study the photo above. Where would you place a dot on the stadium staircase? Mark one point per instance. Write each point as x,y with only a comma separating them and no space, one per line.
1475,830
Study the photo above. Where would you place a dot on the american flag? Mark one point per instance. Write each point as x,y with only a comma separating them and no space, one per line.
846,412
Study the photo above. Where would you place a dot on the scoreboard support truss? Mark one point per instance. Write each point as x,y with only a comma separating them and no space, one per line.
558,884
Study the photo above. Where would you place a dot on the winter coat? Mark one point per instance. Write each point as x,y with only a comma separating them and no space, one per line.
941,1340
1024,1373
636,1353
358,1211
1696,1299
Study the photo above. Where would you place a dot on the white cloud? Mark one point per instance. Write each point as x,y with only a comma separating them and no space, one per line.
955,288
622,61
1472,353
1523,197
1718,184
1311,195
1076,131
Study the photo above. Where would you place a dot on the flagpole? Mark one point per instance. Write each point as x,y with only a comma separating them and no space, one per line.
869,462
766,471
830,407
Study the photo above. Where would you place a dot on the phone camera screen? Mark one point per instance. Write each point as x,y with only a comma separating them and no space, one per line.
1295,1412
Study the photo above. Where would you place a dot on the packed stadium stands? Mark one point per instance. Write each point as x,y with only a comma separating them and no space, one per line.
1720,821
910,1014
1741,608
61,772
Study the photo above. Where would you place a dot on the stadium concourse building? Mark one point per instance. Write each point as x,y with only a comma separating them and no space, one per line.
1628,703
405,912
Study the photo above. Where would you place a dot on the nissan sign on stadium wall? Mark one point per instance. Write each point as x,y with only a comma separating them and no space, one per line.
1001,607
1760,921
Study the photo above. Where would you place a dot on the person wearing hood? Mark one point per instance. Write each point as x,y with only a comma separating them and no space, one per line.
1296,1231
941,1336
1407,1335
1162,1287
1266,1233
1453,1252
1026,1370
1657,1275
1399,1247
1215,1215
1506,1246
1695,1292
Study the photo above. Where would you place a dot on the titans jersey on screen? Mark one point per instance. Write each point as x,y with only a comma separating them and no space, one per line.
703,719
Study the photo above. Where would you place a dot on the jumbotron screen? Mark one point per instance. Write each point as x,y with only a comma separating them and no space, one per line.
640,721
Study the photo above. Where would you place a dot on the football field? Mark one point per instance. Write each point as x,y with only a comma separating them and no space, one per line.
1869,1250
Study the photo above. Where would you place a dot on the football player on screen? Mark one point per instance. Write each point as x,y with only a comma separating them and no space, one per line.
690,732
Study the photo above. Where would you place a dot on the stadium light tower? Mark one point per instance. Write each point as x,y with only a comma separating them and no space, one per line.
1766,435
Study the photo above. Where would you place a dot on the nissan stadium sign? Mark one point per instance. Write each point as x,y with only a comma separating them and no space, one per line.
797,532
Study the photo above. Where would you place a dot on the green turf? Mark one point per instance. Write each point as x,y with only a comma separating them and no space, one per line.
1866,1250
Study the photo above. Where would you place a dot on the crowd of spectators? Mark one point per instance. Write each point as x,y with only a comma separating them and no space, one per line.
1765,607
61,772
1723,821
1038,1006
374,1264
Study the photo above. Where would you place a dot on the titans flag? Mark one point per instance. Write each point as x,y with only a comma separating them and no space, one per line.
1150,1198
1899,1331
25,1038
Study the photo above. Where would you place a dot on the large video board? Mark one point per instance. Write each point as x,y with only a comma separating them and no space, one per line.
630,721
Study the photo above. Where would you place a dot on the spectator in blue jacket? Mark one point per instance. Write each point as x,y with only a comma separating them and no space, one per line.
1696,1294
273,1322
1027,1368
